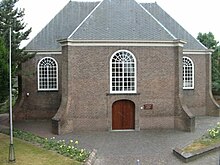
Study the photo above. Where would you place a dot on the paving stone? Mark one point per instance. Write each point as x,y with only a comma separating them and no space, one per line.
153,147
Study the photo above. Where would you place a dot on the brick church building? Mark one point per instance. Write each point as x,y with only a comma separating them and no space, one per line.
115,65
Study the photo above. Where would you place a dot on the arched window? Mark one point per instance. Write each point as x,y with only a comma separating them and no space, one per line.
188,73
123,72
47,74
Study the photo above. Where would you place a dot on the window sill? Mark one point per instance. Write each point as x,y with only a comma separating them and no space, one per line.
188,88
114,94
47,90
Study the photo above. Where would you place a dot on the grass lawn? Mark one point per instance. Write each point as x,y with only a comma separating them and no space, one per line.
209,139
201,144
28,154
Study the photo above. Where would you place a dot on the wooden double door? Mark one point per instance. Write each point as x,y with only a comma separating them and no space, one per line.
123,115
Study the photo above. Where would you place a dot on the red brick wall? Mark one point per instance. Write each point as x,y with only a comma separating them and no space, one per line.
89,103
38,104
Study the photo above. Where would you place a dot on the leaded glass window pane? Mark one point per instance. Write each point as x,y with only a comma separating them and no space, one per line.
188,73
47,74
123,72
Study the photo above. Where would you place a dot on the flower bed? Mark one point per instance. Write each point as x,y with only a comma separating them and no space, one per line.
209,142
66,148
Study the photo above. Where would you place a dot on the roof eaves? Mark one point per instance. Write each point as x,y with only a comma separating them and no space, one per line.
84,20
197,52
43,51
164,43
158,22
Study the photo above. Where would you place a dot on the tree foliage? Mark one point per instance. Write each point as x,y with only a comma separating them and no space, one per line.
4,75
11,16
209,41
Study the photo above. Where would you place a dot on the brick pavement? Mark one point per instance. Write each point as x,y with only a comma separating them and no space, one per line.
151,147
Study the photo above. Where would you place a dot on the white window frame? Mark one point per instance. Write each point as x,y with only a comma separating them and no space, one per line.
185,86
123,77
38,75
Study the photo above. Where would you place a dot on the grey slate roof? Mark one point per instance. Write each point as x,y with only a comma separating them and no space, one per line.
121,20
177,30
61,26
111,20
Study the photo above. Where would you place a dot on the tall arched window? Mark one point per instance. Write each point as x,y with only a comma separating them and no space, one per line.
123,72
47,74
188,73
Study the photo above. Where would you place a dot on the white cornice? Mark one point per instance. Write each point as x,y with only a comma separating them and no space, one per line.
44,52
68,42
197,52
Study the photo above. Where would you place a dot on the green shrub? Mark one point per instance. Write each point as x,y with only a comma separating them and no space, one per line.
4,107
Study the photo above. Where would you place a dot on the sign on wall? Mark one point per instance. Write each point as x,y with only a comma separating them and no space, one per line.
148,106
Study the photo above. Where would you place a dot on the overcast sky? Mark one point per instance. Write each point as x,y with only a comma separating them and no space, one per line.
194,15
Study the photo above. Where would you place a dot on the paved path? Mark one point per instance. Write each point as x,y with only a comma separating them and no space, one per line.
151,147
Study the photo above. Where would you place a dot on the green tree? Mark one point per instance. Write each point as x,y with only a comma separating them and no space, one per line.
209,41
4,75
11,16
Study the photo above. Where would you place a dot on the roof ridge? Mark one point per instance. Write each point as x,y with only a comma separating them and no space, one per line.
84,20
183,28
108,20
157,20
167,15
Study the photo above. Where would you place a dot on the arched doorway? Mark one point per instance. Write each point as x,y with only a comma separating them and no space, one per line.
123,115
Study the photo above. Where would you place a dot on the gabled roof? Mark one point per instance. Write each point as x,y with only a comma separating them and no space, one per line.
176,29
120,20
61,26
111,20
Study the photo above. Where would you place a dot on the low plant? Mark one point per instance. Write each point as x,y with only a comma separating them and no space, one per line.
211,137
28,154
214,132
66,148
